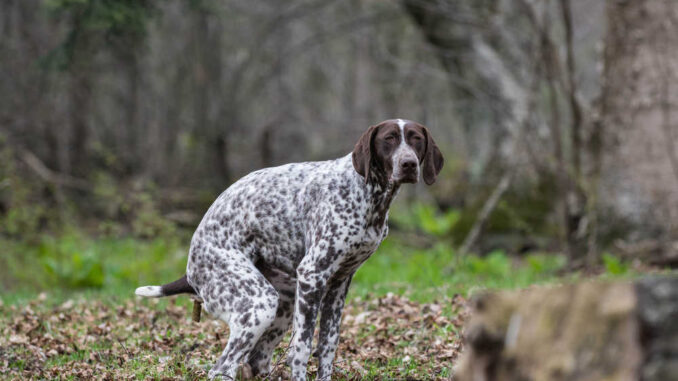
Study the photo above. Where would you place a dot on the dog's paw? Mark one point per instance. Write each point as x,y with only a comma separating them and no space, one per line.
246,372
217,374
280,373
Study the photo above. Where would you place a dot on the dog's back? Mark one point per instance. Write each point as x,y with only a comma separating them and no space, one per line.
263,214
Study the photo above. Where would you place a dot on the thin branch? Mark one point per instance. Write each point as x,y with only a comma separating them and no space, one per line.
269,30
575,133
47,175
485,213
317,39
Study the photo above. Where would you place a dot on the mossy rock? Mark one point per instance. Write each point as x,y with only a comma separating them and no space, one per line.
586,331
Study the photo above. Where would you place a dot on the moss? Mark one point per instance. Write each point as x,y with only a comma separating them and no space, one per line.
523,219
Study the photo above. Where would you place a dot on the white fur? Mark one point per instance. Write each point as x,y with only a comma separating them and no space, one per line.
403,152
149,291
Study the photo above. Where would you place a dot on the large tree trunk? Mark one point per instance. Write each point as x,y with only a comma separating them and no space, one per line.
639,100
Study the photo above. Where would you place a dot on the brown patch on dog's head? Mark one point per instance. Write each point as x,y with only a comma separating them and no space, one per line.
380,150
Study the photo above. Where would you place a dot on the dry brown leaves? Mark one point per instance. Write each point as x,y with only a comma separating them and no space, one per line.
385,338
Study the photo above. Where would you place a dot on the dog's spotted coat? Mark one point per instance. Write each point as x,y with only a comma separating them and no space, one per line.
281,245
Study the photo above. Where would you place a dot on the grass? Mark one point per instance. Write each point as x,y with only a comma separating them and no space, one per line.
427,274
76,263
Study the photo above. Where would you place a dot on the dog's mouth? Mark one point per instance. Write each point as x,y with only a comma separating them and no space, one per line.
408,177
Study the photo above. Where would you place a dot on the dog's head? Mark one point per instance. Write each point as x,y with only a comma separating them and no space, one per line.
397,150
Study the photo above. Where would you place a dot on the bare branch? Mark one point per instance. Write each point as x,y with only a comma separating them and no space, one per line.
485,213
50,176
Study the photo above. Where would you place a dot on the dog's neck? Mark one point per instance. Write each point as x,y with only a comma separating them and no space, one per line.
381,192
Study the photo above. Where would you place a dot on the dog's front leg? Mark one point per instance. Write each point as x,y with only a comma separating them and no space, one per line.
310,288
330,321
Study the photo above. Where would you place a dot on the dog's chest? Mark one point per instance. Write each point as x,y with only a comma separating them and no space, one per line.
360,247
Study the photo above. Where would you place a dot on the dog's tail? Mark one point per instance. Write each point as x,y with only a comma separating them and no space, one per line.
179,286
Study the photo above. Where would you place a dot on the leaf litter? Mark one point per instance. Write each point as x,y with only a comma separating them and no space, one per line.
385,338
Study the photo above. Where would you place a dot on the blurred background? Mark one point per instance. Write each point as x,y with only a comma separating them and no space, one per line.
122,120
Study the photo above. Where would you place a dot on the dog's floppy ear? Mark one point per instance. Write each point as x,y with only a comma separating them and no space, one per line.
362,152
433,159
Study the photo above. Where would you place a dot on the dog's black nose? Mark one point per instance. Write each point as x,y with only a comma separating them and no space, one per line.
409,165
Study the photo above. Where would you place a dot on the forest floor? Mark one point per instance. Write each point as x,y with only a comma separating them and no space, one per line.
113,338
67,309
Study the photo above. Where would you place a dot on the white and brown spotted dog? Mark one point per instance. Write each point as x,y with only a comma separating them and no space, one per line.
282,244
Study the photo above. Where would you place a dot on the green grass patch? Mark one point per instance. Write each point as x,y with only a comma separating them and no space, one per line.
427,274
74,263
115,266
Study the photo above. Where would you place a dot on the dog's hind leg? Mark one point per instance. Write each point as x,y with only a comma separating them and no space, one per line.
260,358
241,296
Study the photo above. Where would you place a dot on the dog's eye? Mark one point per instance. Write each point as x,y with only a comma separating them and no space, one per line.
416,138
390,138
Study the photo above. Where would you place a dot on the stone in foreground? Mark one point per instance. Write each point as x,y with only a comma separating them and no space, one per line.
588,331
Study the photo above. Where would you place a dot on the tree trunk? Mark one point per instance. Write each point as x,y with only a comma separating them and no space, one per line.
207,75
640,98
80,97
134,129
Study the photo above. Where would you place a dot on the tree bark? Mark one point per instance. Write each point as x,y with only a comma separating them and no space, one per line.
640,98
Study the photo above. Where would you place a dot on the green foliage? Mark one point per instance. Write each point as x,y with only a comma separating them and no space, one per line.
69,267
135,205
435,224
496,264
29,207
148,221
72,260
23,209
110,17
20,219
614,265
522,218
426,218
524,213
94,24
425,274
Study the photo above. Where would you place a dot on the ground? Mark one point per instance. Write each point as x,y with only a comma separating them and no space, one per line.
67,309
383,338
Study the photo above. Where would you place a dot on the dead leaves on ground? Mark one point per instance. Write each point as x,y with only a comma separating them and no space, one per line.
383,338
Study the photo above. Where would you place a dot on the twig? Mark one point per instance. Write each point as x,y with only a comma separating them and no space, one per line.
485,212
123,347
50,176
197,309
279,361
